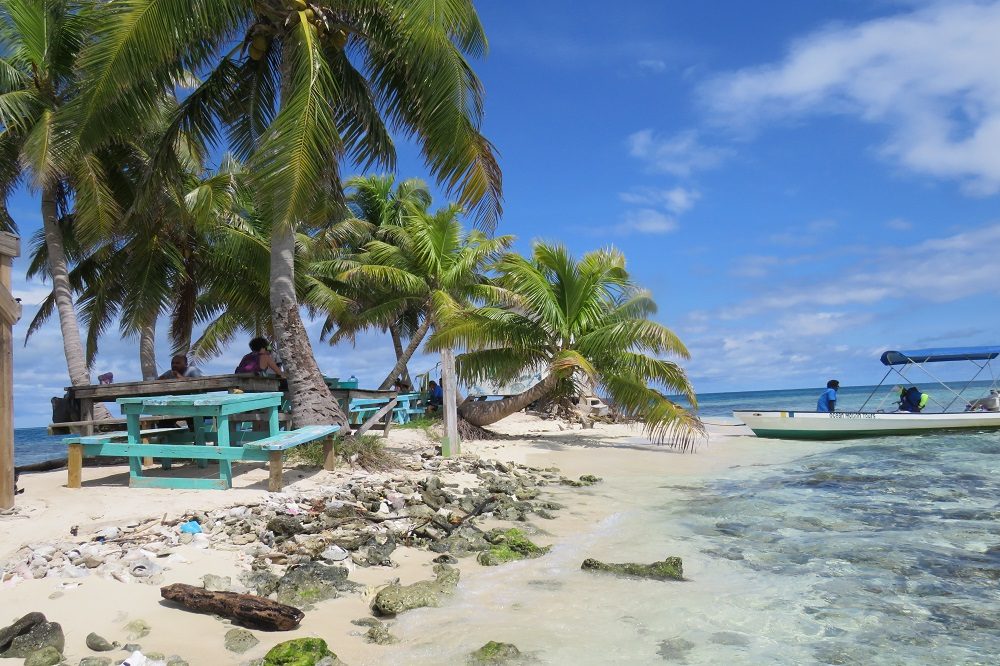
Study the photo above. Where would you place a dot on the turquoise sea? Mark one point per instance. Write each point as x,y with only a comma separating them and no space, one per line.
876,551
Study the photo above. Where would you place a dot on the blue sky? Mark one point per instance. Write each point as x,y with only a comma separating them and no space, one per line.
801,185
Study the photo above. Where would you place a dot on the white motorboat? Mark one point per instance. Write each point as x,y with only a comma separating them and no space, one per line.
958,415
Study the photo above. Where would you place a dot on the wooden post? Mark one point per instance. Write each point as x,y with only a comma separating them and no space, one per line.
451,446
75,465
274,470
10,313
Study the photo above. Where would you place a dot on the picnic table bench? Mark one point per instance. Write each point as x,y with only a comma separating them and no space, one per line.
203,444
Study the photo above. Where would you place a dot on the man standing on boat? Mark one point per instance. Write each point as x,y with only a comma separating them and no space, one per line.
828,398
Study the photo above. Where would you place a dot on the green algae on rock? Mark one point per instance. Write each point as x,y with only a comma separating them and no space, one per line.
299,652
397,598
508,546
47,656
495,654
668,569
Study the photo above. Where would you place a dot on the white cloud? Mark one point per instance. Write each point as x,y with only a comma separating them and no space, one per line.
645,221
928,76
676,200
899,224
652,65
948,269
681,154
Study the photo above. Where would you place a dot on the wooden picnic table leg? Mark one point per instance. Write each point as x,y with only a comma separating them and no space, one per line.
275,467
75,465
225,465
272,422
199,438
134,464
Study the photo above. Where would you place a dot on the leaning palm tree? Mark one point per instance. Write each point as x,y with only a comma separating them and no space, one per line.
427,265
298,87
39,47
573,321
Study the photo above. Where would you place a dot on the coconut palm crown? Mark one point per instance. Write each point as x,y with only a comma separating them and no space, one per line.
294,88
571,320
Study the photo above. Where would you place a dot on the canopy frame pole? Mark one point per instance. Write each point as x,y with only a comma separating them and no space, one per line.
862,408
968,383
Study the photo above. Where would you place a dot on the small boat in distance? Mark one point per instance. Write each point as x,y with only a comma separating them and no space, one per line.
959,414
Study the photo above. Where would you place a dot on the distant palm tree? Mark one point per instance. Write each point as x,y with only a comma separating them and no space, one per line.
298,87
379,201
39,46
572,320
426,265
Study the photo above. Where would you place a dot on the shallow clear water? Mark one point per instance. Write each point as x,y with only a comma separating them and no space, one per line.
881,551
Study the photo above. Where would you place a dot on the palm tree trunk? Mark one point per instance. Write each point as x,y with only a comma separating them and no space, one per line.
482,412
76,364
397,346
312,402
402,360
147,350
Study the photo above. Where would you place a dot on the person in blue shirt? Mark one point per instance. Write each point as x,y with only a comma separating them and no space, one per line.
435,396
828,399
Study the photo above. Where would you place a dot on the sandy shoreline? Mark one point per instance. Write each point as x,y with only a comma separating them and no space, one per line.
48,510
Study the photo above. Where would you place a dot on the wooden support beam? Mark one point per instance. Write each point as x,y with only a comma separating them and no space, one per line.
374,418
451,446
9,248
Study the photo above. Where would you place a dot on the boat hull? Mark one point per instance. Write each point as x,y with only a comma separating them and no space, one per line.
852,425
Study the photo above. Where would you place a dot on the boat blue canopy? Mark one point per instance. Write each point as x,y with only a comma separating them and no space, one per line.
940,354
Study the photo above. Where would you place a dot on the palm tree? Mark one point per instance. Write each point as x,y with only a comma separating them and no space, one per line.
298,87
573,320
39,46
380,202
426,265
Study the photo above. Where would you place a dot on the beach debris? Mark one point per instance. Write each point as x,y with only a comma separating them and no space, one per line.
583,481
47,656
301,652
214,583
507,546
248,609
397,598
312,582
137,658
95,661
378,631
669,569
240,640
30,633
99,643
496,654
137,629
190,527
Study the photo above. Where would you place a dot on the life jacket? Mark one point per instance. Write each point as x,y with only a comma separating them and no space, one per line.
249,364
912,400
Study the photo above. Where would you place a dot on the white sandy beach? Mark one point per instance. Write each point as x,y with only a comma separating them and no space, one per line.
628,464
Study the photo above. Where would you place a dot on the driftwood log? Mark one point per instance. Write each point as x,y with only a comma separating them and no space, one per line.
247,609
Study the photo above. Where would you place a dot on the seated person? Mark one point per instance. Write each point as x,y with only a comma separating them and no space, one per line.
259,361
179,369
912,400
435,397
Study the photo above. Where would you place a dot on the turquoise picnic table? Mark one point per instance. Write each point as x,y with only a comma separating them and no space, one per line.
206,442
